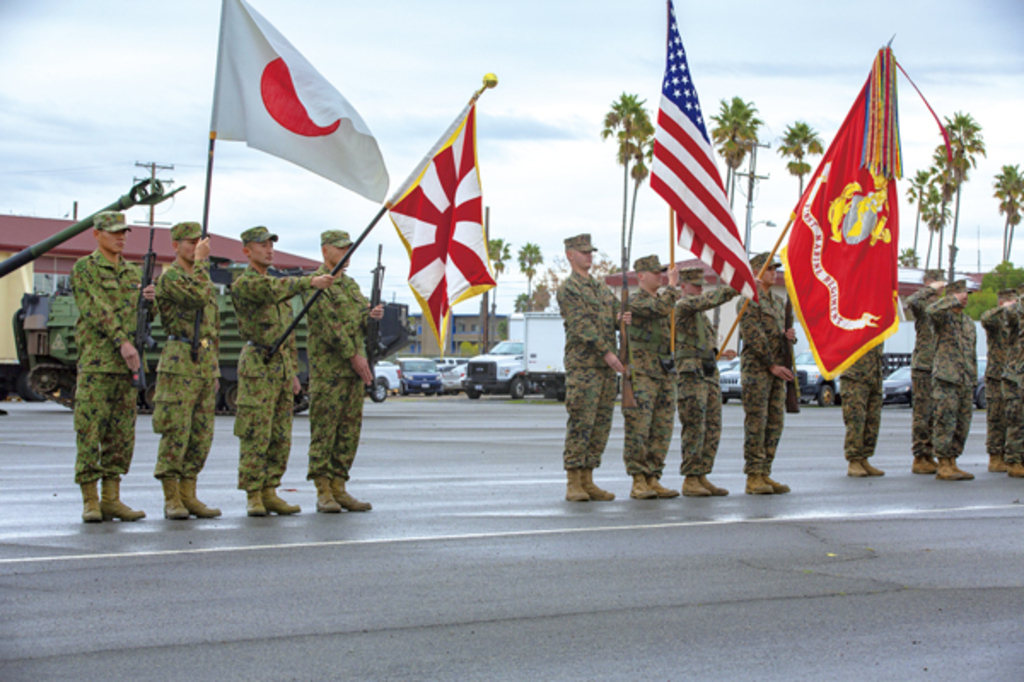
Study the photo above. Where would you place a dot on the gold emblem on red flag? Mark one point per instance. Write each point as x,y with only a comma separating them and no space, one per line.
856,216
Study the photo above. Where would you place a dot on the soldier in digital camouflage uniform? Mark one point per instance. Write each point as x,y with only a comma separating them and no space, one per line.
589,313
862,412
954,375
186,389
698,393
996,328
649,424
1013,391
338,376
921,372
266,387
763,375
106,290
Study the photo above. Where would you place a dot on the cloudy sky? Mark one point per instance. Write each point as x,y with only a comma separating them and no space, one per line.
89,88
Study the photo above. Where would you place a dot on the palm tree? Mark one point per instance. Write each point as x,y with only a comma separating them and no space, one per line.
500,253
1009,187
942,178
966,142
935,214
639,173
735,132
529,258
916,194
798,141
908,258
630,124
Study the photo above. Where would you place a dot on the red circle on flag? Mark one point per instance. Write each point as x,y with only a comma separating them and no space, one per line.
283,105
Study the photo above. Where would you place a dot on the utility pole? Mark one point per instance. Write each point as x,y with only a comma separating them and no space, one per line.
485,333
752,178
153,167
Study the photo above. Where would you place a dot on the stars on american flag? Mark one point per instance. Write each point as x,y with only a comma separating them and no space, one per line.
677,86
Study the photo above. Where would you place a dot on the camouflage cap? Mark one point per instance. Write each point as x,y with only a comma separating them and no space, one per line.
109,221
189,230
758,261
694,276
258,234
580,242
1007,294
957,287
337,238
649,264
933,275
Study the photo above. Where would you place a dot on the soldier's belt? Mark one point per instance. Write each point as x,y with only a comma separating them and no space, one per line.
203,343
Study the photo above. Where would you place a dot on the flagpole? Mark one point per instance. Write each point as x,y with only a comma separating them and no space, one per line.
206,218
764,267
672,258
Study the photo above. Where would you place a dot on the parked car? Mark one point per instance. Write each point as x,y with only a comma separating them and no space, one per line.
897,388
979,391
452,378
729,380
445,363
815,387
388,377
419,375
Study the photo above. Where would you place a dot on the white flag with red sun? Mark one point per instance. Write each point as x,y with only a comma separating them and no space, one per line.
438,213
267,95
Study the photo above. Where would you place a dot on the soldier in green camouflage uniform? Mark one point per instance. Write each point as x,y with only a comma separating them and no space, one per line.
862,412
763,375
338,376
589,312
1013,391
649,422
996,335
698,393
106,289
921,373
186,389
954,375
266,387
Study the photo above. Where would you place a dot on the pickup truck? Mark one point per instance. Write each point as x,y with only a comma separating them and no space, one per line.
388,378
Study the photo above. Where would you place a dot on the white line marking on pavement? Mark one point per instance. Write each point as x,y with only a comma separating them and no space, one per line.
503,534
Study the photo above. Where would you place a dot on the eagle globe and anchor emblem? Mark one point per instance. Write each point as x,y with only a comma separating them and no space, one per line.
856,215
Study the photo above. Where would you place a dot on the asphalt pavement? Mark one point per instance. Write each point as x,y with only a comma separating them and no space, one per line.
471,565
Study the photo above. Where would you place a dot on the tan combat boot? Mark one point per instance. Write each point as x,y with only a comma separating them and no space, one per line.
756,485
275,504
325,502
254,504
997,465
964,476
777,488
91,503
692,487
947,472
111,505
640,490
590,488
173,508
654,484
1013,470
573,488
856,469
872,471
713,489
347,502
925,465
187,491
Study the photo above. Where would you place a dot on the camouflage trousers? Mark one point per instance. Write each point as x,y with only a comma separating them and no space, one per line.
921,426
264,426
951,418
649,425
699,401
764,408
995,438
335,422
862,415
105,426
590,402
1013,417
183,416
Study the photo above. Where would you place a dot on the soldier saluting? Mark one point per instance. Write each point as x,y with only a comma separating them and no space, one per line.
106,290
186,389
266,386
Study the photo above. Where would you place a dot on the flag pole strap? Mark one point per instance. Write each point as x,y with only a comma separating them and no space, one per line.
672,258
764,267
334,272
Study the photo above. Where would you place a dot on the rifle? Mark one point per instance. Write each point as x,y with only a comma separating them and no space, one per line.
792,388
375,349
144,320
628,399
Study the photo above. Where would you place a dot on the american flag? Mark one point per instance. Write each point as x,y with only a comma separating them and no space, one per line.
685,175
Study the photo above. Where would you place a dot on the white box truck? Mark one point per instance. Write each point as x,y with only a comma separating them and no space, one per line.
530,361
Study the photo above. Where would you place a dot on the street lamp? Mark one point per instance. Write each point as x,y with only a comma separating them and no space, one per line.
768,223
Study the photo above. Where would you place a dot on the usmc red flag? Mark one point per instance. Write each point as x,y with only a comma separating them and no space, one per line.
841,261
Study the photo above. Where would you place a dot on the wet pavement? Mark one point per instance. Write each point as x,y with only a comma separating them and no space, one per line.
472,566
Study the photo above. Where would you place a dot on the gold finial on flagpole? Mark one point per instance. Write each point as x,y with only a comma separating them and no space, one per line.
490,81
